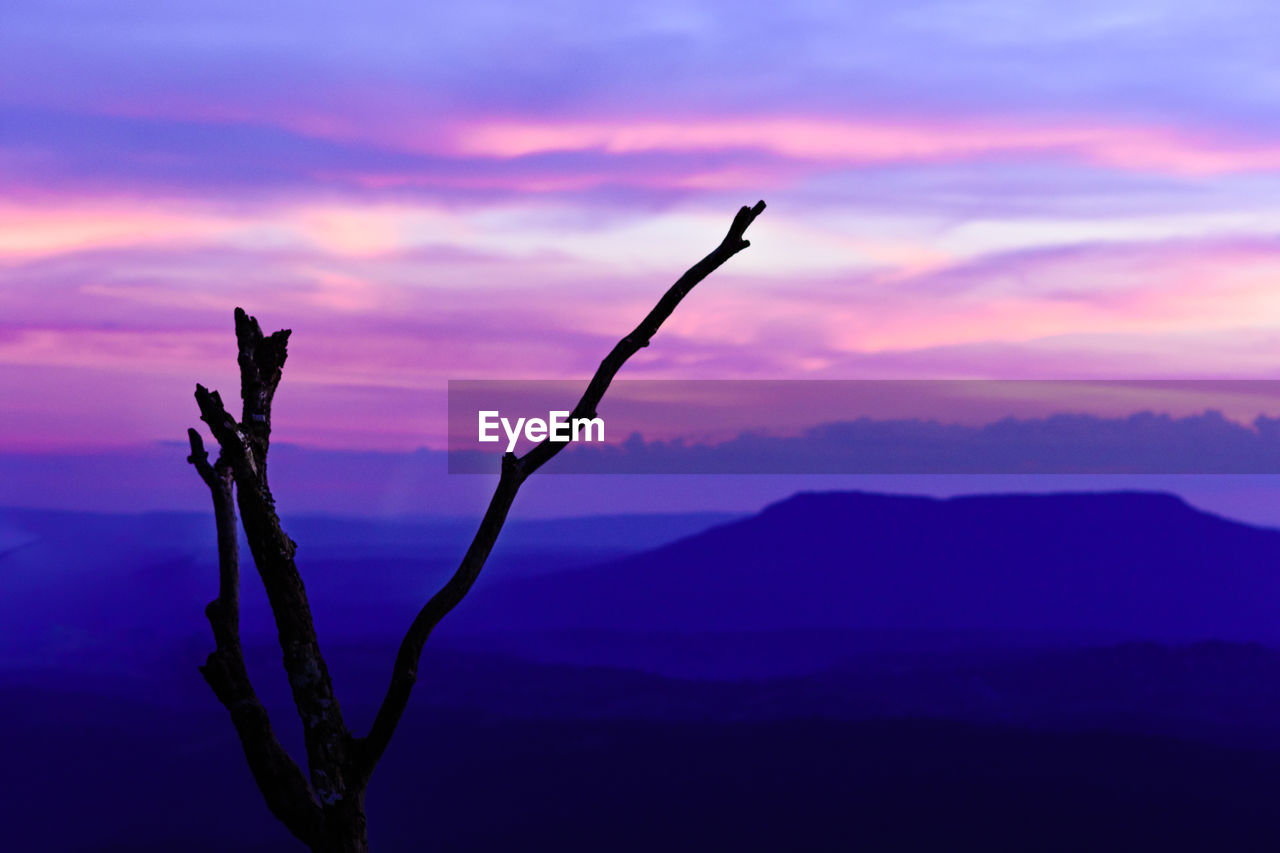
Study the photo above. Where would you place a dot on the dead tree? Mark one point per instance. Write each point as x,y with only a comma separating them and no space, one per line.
324,807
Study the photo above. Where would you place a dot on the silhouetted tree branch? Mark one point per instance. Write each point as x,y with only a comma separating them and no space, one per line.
325,808
514,472
281,782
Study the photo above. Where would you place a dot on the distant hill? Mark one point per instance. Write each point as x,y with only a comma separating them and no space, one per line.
123,586
1120,564
881,692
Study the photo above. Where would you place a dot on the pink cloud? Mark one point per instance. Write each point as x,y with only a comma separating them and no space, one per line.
372,349
870,141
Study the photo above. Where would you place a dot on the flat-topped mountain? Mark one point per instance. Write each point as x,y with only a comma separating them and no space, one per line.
1123,563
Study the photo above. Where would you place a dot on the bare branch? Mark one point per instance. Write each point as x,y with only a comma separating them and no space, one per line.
325,806
230,439
282,783
244,446
639,338
200,459
514,472
261,361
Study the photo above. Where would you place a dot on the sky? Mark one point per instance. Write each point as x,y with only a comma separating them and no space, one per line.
426,192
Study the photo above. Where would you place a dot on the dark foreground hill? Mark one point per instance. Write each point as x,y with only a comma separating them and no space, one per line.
1119,564
503,756
937,704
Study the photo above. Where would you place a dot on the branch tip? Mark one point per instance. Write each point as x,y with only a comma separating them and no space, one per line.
746,215
197,446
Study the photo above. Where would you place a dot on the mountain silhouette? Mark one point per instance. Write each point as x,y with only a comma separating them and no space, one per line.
1122,564
876,688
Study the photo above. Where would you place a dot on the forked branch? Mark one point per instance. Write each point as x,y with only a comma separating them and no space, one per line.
281,781
325,806
323,796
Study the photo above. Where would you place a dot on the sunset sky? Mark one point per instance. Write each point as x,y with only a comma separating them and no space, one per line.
435,191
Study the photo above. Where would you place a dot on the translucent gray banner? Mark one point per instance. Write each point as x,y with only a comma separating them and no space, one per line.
875,426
